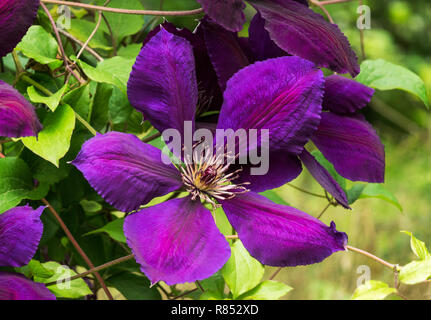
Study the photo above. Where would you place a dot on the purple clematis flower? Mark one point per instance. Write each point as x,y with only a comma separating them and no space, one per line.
17,116
16,16
343,136
178,241
20,232
294,27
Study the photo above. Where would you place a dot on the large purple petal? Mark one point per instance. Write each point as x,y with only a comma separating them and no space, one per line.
14,286
283,168
126,172
278,235
283,95
324,178
261,44
176,241
16,16
225,51
227,13
352,146
17,115
20,234
210,95
162,84
300,31
344,95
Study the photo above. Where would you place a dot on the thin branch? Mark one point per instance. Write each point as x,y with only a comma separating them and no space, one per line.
126,11
185,294
93,270
60,45
49,93
275,273
91,51
305,191
91,36
391,266
77,247
320,5
324,210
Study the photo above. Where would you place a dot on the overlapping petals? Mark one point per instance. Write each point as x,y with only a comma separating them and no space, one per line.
324,178
17,115
176,241
300,31
126,172
227,13
14,286
261,44
283,95
16,16
352,145
278,235
20,232
225,51
163,84
345,96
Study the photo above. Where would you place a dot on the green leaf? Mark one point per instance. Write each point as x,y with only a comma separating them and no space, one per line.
355,192
71,289
53,141
328,166
267,290
242,272
90,206
383,75
15,182
215,284
38,270
115,71
114,229
52,101
131,51
134,287
373,290
82,29
416,271
121,24
376,190
211,295
418,247
41,46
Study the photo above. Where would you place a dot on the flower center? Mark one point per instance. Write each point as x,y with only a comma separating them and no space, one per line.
208,178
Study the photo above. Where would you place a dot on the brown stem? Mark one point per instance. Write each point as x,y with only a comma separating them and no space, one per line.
151,138
391,266
126,11
93,270
88,49
324,210
185,294
77,247
275,273
60,45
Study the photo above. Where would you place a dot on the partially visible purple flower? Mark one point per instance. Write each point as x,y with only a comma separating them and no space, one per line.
294,27
14,286
17,116
20,232
178,241
16,16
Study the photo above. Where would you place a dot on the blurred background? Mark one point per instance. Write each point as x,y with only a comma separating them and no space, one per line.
400,33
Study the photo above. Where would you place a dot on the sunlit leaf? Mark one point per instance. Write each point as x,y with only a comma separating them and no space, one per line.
242,272
53,141
383,75
373,290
